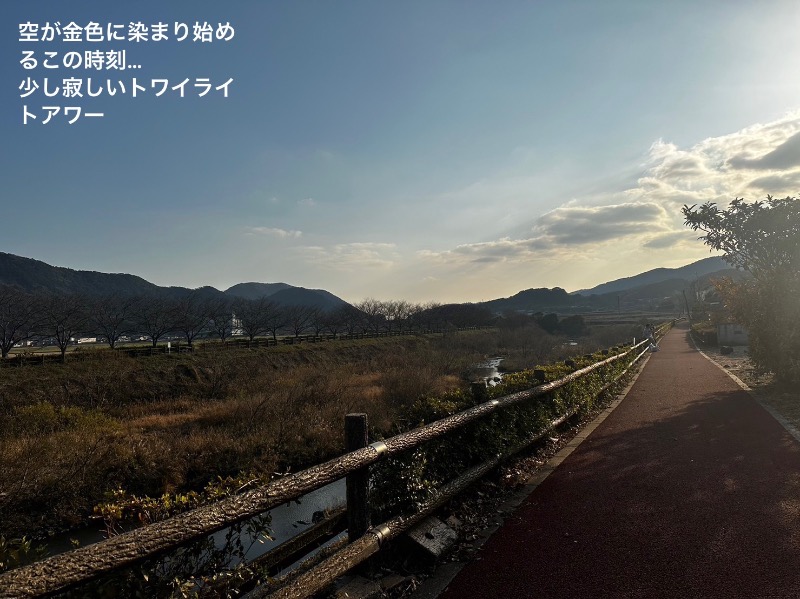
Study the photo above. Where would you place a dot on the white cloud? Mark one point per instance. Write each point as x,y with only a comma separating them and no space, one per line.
274,232
612,228
721,168
565,227
769,183
570,225
672,240
352,256
784,156
763,158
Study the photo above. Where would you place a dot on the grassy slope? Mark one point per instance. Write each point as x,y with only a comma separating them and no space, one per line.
173,423
167,423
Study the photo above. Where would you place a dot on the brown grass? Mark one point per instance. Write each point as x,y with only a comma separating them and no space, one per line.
159,424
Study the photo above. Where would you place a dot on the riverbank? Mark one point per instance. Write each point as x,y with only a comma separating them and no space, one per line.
124,432
172,424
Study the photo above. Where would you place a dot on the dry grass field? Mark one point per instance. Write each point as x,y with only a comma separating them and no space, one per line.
75,433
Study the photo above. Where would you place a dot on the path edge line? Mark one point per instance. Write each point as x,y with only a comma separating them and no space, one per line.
788,426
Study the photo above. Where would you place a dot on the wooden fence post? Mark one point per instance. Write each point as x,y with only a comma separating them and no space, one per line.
358,519
479,391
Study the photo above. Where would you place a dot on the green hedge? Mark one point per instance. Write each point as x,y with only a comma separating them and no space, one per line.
403,483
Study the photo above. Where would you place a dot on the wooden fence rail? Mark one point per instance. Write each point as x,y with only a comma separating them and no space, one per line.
68,570
358,551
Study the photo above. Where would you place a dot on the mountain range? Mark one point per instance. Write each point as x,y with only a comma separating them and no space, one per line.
654,289
34,275
640,291
695,270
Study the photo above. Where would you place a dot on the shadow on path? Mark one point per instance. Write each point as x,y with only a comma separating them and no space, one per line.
688,489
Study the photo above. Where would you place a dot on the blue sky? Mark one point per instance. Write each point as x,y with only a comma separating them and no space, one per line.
450,151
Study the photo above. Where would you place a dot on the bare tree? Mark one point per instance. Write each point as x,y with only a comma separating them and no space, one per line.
317,323
19,315
111,316
220,315
373,314
351,318
65,317
414,317
387,309
276,320
154,317
192,316
298,318
428,316
254,316
335,321
460,315
397,314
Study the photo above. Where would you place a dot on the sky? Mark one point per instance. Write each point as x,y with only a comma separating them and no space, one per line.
422,150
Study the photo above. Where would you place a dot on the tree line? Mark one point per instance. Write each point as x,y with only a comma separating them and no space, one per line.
59,319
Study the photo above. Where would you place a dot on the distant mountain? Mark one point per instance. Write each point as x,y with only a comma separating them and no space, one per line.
643,291
34,275
299,296
534,300
288,295
255,290
206,292
690,272
661,289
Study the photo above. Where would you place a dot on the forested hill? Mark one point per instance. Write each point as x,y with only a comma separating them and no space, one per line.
538,299
689,272
654,289
639,291
34,275
37,276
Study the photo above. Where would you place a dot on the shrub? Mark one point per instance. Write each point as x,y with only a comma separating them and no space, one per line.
404,482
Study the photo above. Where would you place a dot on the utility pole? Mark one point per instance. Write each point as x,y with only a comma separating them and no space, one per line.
688,313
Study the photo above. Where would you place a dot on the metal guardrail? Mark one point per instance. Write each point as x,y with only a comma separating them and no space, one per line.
68,570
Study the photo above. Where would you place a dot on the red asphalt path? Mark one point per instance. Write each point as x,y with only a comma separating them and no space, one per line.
688,489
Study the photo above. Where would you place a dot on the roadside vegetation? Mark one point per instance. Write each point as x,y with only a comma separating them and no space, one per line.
762,238
137,439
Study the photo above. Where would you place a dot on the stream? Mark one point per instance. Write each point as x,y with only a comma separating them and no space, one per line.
489,372
287,520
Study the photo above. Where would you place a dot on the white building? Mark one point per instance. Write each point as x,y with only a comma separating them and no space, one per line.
730,333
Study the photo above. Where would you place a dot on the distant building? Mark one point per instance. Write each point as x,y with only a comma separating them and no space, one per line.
236,326
730,333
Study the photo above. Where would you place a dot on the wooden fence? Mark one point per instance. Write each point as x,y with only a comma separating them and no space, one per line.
69,570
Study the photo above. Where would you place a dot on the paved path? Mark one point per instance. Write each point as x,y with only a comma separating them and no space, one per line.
688,489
